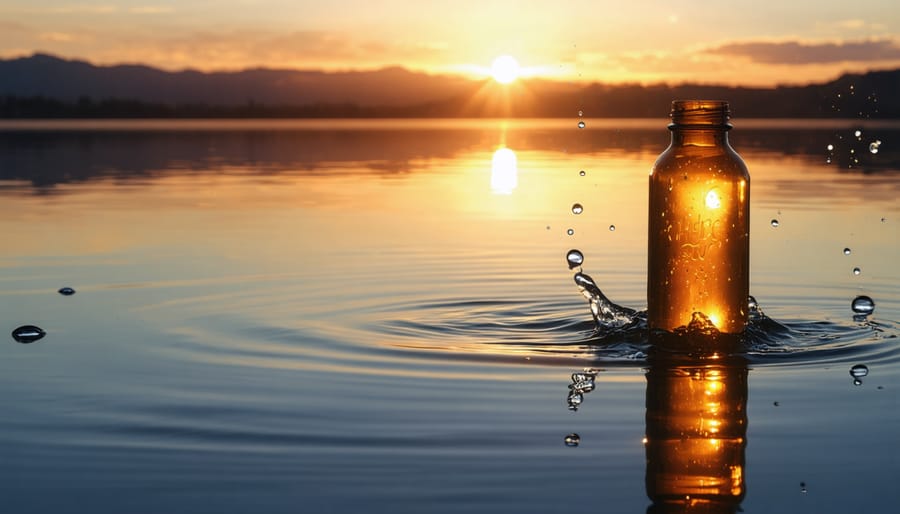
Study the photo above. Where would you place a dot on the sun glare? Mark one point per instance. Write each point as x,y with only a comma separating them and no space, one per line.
505,69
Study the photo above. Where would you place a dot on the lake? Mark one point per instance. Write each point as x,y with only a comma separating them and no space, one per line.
377,315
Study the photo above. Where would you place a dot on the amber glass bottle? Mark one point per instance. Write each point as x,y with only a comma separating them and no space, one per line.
699,224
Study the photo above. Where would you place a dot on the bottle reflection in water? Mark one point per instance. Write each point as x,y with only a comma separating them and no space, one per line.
696,434
699,224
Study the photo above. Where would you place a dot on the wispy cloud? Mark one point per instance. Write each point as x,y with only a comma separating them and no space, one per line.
804,52
151,9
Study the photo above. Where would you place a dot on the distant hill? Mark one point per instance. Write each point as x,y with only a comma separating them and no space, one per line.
49,87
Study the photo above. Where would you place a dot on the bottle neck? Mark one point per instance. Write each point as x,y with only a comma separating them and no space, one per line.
700,123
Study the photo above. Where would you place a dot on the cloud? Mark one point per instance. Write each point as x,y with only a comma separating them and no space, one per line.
151,9
800,52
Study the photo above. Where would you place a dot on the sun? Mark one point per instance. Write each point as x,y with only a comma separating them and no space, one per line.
505,69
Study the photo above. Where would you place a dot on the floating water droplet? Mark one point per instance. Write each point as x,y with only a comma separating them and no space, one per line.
803,487
883,220
28,334
66,291
857,271
828,160
575,399
575,258
873,148
582,173
577,208
570,231
863,304
857,133
580,124
830,147
774,223
583,382
846,251
573,440
580,113
612,228
859,371
776,404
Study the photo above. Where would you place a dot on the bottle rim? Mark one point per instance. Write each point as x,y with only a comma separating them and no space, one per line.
700,114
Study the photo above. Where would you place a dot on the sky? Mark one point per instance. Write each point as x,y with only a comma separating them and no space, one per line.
739,42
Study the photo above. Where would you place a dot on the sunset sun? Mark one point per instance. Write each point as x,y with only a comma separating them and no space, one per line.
505,69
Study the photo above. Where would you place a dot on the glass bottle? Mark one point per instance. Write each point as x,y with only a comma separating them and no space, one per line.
699,226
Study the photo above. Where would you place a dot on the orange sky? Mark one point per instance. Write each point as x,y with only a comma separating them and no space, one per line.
749,42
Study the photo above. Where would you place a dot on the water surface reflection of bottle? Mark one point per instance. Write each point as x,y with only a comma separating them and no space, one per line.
696,433
699,224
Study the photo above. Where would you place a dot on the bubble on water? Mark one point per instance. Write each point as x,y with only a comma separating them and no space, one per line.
577,208
28,334
873,148
612,228
66,291
830,147
575,258
774,222
857,271
580,124
858,133
582,173
570,231
573,440
863,304
846,251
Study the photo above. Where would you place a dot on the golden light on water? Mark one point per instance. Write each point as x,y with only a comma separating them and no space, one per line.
504,171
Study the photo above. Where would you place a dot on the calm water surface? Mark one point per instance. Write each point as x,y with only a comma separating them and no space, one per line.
378,315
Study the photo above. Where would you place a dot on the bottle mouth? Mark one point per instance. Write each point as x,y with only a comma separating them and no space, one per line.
700,114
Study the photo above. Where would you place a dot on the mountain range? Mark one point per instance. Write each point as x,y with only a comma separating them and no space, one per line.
46,86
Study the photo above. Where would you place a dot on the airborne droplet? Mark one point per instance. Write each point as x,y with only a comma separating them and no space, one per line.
580,124
575,258
857,271
846,251
582,173
774,223
573,440
859,371
28,334
863,304
858,133
66,291
830,147
612,228
577,208
570,231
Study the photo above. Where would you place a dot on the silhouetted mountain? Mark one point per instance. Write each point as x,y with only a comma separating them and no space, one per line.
43,86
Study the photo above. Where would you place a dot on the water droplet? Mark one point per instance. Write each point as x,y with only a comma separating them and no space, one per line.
570,231
583,382
859,371
830,147
863,304
846,251
580,124
575,258
580,113
803,487
857,133
612,228
66,291
573,440
582,173
873,147
774,223
828,160
883,220
575,399
577,208
28,334
776,404
857,271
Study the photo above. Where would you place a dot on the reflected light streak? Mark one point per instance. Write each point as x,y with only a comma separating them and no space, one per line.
504,171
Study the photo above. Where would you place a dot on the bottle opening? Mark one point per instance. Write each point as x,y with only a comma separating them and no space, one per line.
706,113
